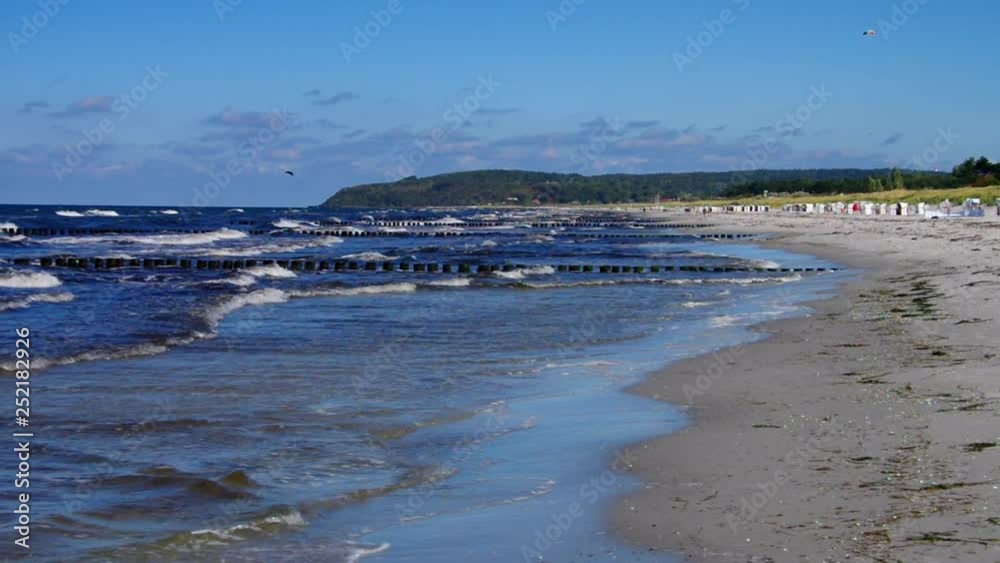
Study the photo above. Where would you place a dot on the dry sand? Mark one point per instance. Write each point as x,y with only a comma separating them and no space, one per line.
864,432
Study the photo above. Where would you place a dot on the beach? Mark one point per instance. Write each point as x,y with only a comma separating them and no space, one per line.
865,431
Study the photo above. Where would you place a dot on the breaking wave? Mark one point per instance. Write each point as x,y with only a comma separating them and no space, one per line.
28,301
33,280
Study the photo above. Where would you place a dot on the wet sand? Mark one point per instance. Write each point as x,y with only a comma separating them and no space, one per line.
868,431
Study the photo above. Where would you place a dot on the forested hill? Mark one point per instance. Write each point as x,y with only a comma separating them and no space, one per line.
516,187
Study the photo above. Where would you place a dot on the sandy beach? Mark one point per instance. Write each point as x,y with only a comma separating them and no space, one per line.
866,431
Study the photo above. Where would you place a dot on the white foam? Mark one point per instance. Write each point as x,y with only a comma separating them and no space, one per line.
686,281
362,290
272,271
293,224
453,282
169,212
32,280
235,210
488,244
69,214
521,274
448,221
358,552
8,225
241,280
101,213
183,239
269,248
765,264
11,238
28,301
369,256
95,355
725,320
693,304
259,297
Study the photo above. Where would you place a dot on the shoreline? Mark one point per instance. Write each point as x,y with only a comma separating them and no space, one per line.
836,436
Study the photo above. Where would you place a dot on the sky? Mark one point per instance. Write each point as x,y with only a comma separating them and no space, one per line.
209,102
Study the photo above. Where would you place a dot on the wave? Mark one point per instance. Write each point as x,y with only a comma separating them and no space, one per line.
449,220
659,281
28,301
724,321
8,225
214,315
181,239
234,210
453,282
139,350
293,224
369,256
361,290
358,551
12,238
273,521
694,304
101,213
520,274
272,271
250,276
275,248
87,213
169,212
33,280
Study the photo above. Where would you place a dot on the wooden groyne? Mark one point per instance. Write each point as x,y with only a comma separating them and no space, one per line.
308,265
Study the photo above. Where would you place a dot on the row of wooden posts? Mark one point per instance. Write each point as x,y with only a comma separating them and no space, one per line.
84,263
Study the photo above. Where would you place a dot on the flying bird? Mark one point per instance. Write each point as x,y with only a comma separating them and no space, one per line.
868,33
289,172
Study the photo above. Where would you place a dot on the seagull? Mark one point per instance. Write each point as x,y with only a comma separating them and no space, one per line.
289,172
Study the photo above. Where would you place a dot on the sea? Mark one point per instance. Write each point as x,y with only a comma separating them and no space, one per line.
282,400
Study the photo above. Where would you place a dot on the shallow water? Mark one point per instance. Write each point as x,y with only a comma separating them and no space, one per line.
268,415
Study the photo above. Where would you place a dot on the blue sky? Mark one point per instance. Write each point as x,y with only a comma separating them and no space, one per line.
588,86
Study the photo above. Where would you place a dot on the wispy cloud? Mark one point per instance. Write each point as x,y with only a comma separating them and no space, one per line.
33,106
314,93
335,99
88,105
498,111
641,124
892,139
234,118
327,123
